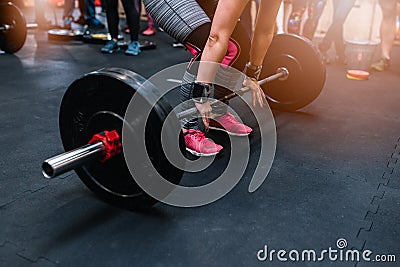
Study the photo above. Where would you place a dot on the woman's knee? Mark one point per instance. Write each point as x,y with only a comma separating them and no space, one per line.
217,39
213,39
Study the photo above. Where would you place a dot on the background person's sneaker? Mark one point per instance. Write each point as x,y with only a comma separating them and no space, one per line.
110,47
133,49
80,20
149,31
198,145
228,123
95,24
381,65
67,24
323,49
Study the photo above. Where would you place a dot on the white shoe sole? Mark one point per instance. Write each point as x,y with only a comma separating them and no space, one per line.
230,133
200,154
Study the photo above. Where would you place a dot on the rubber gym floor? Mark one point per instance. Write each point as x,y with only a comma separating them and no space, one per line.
335,176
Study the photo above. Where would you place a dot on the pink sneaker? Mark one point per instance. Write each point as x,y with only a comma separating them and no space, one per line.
229,124
199,145
149,31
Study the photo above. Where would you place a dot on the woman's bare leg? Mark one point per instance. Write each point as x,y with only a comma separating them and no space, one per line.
225,20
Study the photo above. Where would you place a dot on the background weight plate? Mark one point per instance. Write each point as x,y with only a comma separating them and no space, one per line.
306,72
64,35
13,39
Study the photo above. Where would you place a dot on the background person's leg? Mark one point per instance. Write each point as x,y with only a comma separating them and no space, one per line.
298,9
287,10
387,33
133,20
112,22
82,10
388,26
112,18
103,6
40,7
91,19
315,9
326,42
69,6
342,11
335,31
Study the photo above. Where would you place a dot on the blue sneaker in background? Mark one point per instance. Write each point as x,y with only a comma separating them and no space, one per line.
95,24
110,47
67,23
133,49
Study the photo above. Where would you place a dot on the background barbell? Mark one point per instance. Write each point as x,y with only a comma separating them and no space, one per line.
13,28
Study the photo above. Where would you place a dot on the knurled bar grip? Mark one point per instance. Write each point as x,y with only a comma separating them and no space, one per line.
281,73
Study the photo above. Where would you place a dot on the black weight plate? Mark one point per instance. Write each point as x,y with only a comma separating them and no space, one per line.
64,35
306,72
18,3
12,39
98,38
97,102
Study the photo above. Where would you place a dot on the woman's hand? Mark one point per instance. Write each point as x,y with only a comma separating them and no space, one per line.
257,93
205,113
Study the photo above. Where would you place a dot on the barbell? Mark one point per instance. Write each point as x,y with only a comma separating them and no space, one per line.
93,108
13,29
107,144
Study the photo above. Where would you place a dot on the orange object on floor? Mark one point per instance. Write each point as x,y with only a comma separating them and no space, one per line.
360,74
355,78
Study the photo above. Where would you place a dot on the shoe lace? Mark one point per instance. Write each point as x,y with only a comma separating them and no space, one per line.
134,45
229,117
198,135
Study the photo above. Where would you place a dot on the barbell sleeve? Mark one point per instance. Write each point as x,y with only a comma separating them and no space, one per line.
281,73
68,161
